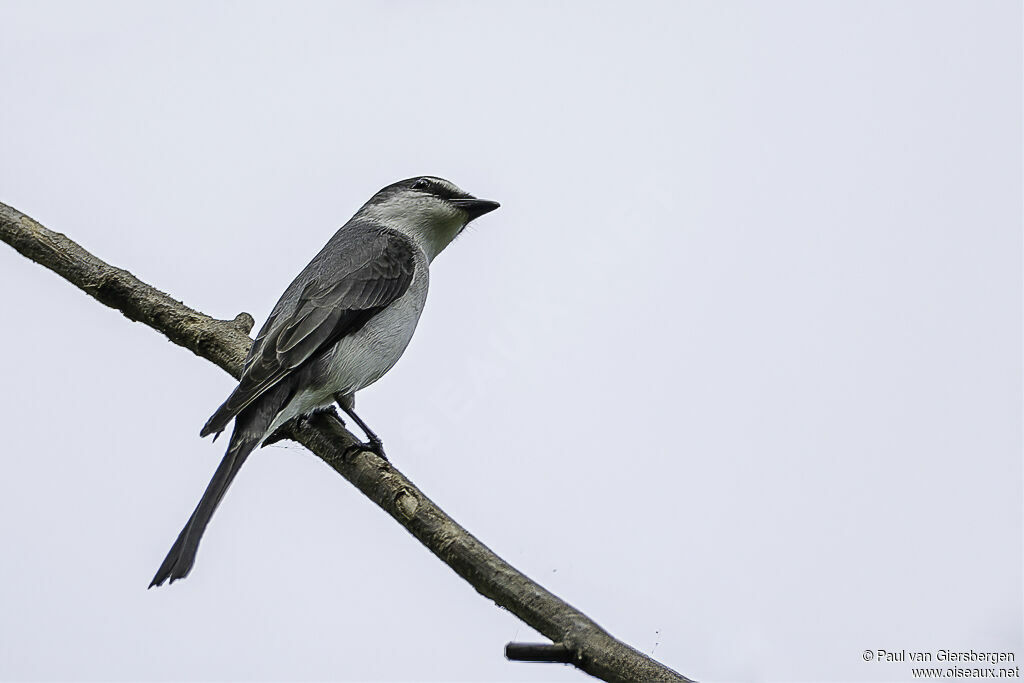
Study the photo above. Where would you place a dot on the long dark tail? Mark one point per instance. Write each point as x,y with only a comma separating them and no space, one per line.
182,556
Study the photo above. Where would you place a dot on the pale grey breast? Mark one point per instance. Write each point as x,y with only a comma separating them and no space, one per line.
360,359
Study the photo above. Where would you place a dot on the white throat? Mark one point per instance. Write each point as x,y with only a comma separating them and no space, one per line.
430,223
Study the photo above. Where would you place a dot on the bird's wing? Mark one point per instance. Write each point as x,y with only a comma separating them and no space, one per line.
336,297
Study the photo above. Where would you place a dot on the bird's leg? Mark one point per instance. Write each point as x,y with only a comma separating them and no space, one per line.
373,442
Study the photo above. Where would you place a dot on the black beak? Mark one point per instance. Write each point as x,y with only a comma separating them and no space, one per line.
475,207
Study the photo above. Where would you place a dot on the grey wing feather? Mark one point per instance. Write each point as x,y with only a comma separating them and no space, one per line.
334,296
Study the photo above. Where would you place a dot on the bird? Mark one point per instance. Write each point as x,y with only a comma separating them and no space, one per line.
341,324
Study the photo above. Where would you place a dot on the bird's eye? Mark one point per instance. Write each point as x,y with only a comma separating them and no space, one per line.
421,184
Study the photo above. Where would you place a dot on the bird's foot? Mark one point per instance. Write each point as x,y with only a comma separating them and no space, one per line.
302,421
333,411
373,445
298,422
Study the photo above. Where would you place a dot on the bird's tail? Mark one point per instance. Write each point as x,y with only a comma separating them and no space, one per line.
182,555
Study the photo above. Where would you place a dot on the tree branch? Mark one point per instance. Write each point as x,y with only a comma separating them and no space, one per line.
580,641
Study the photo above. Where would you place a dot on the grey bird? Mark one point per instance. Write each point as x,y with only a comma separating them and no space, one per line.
339,326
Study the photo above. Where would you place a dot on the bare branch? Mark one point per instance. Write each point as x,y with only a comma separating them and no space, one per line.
224,342
580,641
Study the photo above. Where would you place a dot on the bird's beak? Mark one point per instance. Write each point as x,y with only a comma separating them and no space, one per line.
475,207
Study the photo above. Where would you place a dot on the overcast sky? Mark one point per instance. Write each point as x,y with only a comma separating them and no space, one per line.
735,369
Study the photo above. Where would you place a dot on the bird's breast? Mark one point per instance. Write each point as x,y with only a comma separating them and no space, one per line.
361,358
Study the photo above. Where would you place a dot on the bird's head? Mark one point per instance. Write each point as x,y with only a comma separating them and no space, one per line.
432,211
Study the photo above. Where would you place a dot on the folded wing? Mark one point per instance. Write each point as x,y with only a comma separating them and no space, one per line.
334,299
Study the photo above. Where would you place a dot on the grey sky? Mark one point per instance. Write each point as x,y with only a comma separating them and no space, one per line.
736,368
